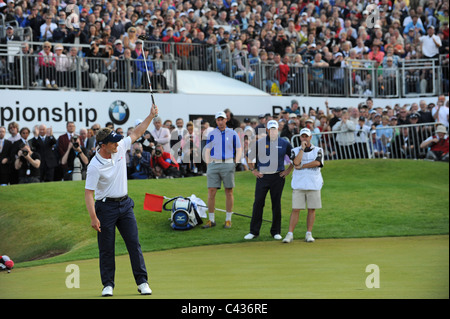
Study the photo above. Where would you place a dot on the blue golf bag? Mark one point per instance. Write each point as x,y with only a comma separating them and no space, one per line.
184,213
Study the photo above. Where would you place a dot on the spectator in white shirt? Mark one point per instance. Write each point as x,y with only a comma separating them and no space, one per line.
430,43
440,111
161,134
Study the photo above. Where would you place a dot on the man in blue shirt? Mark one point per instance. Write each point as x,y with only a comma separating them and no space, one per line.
266,162
222,151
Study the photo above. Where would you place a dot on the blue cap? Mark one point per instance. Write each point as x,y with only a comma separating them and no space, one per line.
113,137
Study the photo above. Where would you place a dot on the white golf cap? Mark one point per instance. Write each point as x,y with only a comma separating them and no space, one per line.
305,131
272,124
441,129
221,114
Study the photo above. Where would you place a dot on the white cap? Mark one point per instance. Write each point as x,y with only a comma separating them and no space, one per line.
272,124
221,114
441,129
305,131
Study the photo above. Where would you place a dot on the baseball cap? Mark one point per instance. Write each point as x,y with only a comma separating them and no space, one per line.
305,131
9,264
272,124
441,129
221,114
113,137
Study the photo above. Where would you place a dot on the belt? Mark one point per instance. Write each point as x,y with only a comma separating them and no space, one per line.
229,160
270,173
114,199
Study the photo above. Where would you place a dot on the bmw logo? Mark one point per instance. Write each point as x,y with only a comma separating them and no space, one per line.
119,112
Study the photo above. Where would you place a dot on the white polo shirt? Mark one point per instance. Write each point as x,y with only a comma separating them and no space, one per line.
429,48
108,177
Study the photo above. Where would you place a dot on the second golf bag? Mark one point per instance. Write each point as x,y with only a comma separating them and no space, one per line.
184,214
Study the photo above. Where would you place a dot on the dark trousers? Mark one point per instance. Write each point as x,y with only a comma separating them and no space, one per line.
275,184
120,214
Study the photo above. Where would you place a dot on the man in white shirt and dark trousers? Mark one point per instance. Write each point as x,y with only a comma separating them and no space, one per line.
306,184
107,178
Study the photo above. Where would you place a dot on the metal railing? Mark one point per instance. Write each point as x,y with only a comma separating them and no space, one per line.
359,78
402,142
24,71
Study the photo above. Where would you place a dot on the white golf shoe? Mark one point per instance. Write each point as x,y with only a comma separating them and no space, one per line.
288,239
144,289
277,237
309,238
107,291
249,236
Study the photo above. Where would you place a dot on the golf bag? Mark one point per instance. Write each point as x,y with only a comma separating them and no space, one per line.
184,213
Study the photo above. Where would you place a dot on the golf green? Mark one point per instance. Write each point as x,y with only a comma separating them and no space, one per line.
407,267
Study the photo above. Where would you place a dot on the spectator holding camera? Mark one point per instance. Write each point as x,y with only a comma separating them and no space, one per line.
163,163
437,145
74,158
27,164
140,163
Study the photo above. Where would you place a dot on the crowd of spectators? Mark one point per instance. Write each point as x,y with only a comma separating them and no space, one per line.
174,149
366,131
326,33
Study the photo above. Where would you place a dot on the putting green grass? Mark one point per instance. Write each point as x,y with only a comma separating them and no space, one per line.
361,198
409,267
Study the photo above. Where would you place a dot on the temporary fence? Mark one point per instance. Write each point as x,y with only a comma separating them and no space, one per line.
72,72
354,78
402,142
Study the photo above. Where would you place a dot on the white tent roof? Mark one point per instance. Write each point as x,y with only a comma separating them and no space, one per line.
203,82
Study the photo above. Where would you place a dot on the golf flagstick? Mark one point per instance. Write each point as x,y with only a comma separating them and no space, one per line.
223,210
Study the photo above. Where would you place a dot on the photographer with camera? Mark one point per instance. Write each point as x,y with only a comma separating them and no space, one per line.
163,163
140,163
280,43
27,164
75,160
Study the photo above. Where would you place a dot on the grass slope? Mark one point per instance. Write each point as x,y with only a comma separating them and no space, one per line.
361,198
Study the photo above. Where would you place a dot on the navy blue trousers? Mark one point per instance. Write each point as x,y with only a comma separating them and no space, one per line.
275,184
120,214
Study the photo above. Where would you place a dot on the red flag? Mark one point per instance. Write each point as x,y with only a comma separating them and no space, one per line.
153,202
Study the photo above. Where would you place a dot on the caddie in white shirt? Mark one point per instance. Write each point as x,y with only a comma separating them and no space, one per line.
107,179
306,184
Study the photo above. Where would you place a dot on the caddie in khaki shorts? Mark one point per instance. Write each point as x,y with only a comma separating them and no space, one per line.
223,149
301,196
306,184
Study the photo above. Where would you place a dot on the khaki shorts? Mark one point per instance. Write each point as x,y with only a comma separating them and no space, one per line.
300,197
218,172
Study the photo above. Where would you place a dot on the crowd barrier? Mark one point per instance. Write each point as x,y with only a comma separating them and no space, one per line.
401,142
355,78
72,72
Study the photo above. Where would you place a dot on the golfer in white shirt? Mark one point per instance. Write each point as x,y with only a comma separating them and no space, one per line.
107,179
